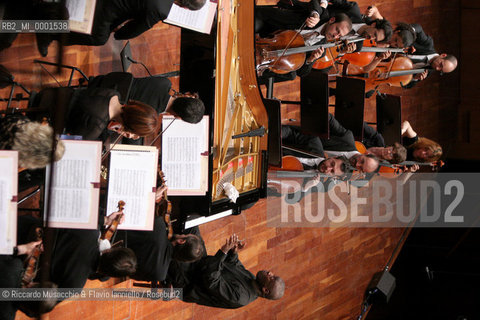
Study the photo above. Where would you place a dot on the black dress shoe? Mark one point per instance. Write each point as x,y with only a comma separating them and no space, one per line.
43,41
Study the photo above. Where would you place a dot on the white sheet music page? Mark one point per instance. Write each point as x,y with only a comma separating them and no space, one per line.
185,156
81,15
199,20
8,200
75,186
132,178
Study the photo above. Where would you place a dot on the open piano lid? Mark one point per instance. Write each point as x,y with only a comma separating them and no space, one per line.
221,68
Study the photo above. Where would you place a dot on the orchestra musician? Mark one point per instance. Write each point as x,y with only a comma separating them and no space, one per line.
97,109
155,251
12,269
335,28
288,15
156,92
424,54
127,19
32,140
222,281
419,149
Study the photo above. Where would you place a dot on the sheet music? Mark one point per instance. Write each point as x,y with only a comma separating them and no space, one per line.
76,9
74,196
199,20
81,14
8,212
182,162
132,177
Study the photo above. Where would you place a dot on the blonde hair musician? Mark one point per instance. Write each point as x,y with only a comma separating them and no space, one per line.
32,140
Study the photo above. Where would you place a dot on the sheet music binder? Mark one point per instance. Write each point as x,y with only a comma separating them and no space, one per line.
144,204
8,200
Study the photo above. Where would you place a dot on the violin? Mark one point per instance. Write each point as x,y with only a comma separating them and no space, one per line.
108,233
32,261
164,208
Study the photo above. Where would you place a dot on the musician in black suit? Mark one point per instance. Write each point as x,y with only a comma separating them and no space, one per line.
139,15
288,15
154,251
222,281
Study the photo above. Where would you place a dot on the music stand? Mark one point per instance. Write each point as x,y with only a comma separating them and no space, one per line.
350,104
314,104
274,132
389,118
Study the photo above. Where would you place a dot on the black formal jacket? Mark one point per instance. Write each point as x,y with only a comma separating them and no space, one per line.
153,250
424,43
144,14
222,282
75,257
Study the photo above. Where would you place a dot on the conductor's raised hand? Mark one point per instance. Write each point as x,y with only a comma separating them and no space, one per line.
230,243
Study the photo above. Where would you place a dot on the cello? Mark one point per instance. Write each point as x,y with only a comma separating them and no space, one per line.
285,52
397,73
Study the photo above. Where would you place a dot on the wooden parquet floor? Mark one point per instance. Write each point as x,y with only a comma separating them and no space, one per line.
326,270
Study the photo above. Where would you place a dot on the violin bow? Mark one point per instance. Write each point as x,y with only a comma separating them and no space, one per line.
158,135
289,43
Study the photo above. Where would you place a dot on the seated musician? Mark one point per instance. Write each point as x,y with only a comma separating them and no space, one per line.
126,18
288,15
155,251
12,269
423,54
96,110
79,254
393,154
419,149
32,140
155,92
221,281
335,28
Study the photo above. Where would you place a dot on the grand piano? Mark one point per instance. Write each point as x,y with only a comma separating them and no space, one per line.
221,68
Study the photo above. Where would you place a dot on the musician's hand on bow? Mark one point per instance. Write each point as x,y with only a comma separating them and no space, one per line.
230,243
349,48
413,168
109,219
28,248
159,193
317,54
312,20
421,76
384,55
